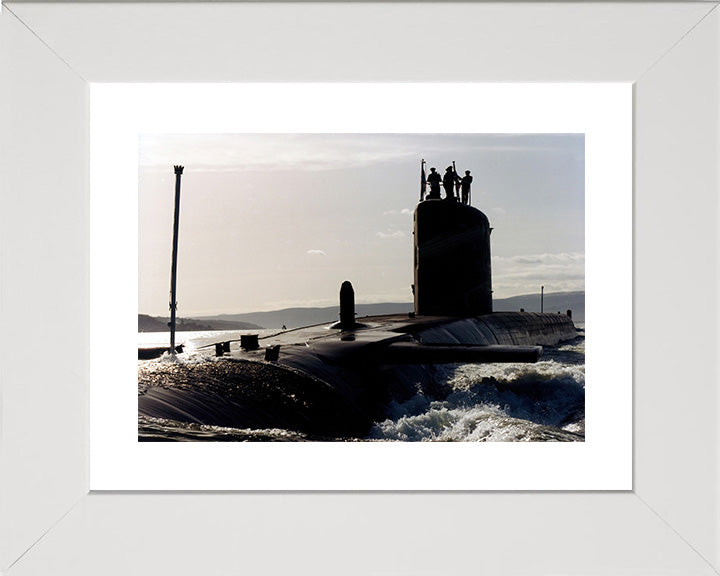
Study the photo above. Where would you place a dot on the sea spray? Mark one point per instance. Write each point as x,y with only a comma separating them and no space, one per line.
498,402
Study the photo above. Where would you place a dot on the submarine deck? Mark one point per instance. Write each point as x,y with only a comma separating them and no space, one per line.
497,328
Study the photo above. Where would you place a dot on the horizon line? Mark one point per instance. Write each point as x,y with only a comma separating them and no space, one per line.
269,311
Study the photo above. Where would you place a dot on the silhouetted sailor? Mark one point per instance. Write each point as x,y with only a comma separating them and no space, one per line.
449,183
465,182
434,180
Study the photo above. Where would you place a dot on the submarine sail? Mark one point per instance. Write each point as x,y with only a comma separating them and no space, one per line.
452,260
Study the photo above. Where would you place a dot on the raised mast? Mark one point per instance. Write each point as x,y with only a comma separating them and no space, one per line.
173,270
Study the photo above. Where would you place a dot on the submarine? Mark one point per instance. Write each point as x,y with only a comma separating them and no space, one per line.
333,381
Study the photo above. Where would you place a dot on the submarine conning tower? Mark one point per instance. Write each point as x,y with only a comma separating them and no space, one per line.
452,260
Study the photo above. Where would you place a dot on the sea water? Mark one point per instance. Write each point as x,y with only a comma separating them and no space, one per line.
514,402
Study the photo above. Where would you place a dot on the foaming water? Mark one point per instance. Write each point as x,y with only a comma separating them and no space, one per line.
161,429
499,403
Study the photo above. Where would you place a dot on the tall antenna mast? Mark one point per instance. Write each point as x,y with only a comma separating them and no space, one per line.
173,271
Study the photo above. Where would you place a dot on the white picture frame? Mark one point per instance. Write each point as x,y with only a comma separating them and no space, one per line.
668,523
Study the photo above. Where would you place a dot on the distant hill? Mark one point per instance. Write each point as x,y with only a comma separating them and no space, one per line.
158,324
553,302
295,317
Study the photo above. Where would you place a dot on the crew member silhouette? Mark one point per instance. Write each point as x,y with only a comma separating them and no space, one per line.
465,182
434,180
449,183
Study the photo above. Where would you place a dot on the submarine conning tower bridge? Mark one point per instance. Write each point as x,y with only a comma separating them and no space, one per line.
451,260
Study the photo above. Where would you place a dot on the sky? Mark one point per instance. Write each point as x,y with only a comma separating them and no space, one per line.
272,221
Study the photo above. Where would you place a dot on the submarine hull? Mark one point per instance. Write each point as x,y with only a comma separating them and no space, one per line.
336,384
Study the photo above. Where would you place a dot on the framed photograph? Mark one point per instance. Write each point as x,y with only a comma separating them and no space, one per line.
661,519
134,125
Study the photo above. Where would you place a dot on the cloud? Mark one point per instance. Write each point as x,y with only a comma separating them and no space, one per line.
526,260
315,152
394,234
317,252
403,212
524,274
271,152
559,258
